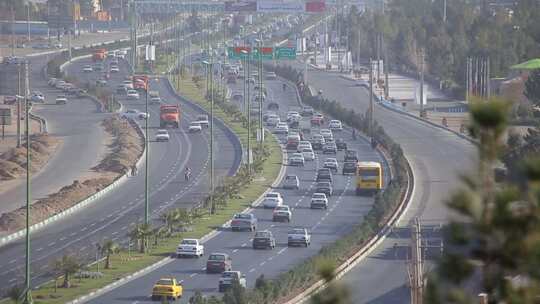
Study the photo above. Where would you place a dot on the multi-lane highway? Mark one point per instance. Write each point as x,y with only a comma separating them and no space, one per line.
114,214
345,210
436,156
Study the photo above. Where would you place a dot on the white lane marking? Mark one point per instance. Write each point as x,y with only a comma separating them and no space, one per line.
244,245
252,270
204,268
192,275
73,234
64,238
234,251
84,228
39,249
13,280
262,263
52,244
124,228
12,261
82,248
281,251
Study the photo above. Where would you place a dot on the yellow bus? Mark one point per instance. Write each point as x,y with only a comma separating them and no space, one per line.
369,178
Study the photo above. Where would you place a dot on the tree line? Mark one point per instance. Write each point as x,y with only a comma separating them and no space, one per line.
472,29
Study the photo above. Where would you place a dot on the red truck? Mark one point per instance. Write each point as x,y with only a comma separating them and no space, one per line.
140,82
169,115
99,55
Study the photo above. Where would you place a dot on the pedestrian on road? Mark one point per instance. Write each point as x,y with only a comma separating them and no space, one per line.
134,170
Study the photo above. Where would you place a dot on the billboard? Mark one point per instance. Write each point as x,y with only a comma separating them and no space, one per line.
315,6
244,6
269,6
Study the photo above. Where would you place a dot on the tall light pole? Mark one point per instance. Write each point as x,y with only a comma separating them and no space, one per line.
27,289
246,96
260,72
209,65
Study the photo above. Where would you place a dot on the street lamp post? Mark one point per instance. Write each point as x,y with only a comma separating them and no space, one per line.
147,150
260,72
209,66
247,101
27,294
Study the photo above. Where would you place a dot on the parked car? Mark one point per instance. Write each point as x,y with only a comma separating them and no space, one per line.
318,201
264,239
282,213
190,247
228,278
218,262
243,221
299,236
291,182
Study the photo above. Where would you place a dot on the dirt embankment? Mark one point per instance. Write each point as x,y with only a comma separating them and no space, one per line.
124,151
13,161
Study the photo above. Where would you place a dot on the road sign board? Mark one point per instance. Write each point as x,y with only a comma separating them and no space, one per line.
285,53
264,53
235,53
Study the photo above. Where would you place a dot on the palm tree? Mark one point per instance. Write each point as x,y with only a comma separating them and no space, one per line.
107,249
159,232
67,265
170,218
141,233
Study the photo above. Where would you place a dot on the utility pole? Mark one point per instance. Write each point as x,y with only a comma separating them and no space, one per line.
212,202
444,11
488,82
27,288
385,67
371,97
147,150
13,28
28,21
260,72
416,265
378,47
19,93
422,83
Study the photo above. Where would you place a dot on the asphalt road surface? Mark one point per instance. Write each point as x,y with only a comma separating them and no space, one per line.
436,156
345,210
114,214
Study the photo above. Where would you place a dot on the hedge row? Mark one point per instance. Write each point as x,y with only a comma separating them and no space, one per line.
304,274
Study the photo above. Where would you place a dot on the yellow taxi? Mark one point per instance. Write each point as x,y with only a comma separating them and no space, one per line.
167,288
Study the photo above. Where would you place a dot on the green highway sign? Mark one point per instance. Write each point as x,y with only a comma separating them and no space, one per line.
285,53
267,53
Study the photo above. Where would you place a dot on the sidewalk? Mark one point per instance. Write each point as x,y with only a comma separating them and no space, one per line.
440,109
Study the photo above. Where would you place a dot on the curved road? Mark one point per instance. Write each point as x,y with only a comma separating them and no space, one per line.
112,216
436,156
345,210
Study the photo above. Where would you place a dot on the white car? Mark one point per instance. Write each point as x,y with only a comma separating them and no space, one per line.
335,125
155,100
308,154
296,159
332,164
275,195
281,213
281,128
271,202
128,84
87,69
319,200
134,114
61,99
114,69
327,134
293,116
162,135
299,236
132,94
272,120
203,120
304,144
194,127
190,247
